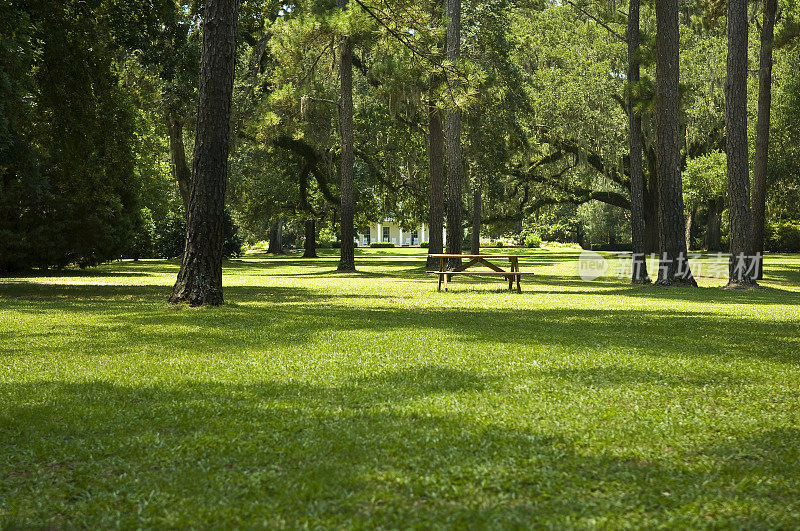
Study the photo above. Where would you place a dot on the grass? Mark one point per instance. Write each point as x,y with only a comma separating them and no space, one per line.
317,399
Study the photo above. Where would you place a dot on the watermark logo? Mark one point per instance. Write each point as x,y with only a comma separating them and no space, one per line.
591,265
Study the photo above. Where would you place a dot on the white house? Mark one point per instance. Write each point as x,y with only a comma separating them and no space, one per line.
390,231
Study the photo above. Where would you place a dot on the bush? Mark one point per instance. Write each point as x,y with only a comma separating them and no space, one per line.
533,241
336,245
424,245
325,238
497,243
381,244
783,236
232,242
170,236
142,242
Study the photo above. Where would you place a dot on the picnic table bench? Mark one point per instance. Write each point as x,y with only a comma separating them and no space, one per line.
512,276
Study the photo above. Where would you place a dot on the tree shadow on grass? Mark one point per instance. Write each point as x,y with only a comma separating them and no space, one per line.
359,453
616,376
131,316
287,317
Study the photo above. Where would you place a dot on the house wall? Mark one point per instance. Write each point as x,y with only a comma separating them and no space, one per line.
395,234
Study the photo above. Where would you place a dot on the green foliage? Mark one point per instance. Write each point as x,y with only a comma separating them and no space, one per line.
382,245
424,245
533,241
169,237
68,191
143,240
783,236
705,179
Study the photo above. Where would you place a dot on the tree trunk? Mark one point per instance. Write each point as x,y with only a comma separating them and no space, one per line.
310,245
475,244
762,137
455,170
638,223
180,169
674,265
200,277
689,225
736,148
651,203
714,225
275,237
436,161
347,251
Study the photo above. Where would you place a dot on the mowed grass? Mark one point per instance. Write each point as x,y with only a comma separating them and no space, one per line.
317,399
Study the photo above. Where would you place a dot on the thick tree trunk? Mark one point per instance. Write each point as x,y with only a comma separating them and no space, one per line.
674,265
180,169
347,251
737,149
762,137
475,243
689,226
638,223
275,236
714,225
455,185
651,202
310,245
200,277
435,161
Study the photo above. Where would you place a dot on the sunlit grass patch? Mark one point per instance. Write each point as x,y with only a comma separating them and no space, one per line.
320,399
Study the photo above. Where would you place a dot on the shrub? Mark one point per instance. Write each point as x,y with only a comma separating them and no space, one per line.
170,236
533,241
336,245
783,236
381,244
325,238
497,243
424,245
142,242
232,242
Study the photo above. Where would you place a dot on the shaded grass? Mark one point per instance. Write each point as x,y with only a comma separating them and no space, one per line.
326,400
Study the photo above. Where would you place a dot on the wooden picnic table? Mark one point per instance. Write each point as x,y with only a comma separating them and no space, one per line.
514,274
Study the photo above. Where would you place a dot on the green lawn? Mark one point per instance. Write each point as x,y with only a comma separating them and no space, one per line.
326,400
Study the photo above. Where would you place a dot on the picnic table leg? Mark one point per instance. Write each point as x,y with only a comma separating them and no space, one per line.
445,282
440,283
510,278
515,268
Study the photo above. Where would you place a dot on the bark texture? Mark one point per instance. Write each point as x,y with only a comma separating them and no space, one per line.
475,243
177,151
200,277
760,160
310,245
736,148
347,208
689,227
455,171
275,237
638,229
435,160
674,266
